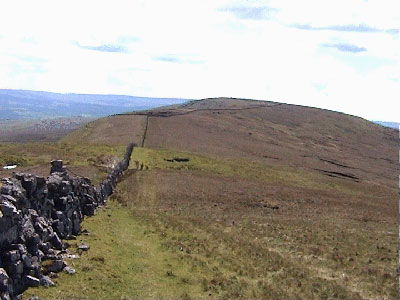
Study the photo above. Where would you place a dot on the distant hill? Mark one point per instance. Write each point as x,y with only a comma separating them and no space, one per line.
329,142
25,104
388,124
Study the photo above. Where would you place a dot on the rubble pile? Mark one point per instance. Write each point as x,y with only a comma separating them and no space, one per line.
36,213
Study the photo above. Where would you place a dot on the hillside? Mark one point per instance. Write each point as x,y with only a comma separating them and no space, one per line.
318,140
238,199
39,130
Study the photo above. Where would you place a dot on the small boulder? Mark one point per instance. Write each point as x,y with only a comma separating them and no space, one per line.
57,166
83,247
46,281
56,266
69,270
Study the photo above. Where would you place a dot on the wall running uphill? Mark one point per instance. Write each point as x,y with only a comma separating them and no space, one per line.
36,213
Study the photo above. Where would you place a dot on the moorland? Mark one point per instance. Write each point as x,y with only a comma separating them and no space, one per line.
237,199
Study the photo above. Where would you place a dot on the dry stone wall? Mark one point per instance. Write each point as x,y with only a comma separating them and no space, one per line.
36,213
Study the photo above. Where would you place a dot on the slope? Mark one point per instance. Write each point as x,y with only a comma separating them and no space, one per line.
255,199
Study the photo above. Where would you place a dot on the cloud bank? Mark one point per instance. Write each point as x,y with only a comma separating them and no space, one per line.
346,47
103,48
339,55
363,28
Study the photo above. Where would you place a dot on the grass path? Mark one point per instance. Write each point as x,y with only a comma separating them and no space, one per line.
125,261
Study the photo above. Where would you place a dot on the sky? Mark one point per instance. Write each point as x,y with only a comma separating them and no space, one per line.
338,55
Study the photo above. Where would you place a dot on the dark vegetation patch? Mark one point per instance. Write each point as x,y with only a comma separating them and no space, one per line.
339,175
177,159
335,163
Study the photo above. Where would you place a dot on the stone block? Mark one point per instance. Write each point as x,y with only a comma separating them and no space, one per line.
8,209
31,281
56,266
12,256
56,241
16,268
4,280
46,281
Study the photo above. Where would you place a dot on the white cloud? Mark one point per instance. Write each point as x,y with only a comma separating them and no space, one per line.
208,48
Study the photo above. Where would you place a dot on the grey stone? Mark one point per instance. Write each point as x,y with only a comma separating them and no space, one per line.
27,260
5,223
5,296
69,270
8,209
20,247
16,268
83,247
57,166
45,247
56,266
59,228
4,280
34,214
46,281
31,281
65,187
9,198
40,254
12,256
29,183
55,241
53,182
35,261
40,181
34,239
10,236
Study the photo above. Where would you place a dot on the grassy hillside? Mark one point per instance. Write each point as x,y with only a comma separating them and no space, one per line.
238,199
331,143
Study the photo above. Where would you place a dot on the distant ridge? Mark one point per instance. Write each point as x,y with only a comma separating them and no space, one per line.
394,125
26,104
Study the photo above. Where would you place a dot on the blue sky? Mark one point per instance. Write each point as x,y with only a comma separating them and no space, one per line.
339,55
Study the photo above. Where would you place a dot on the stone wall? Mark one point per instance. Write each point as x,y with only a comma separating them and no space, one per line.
36,213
